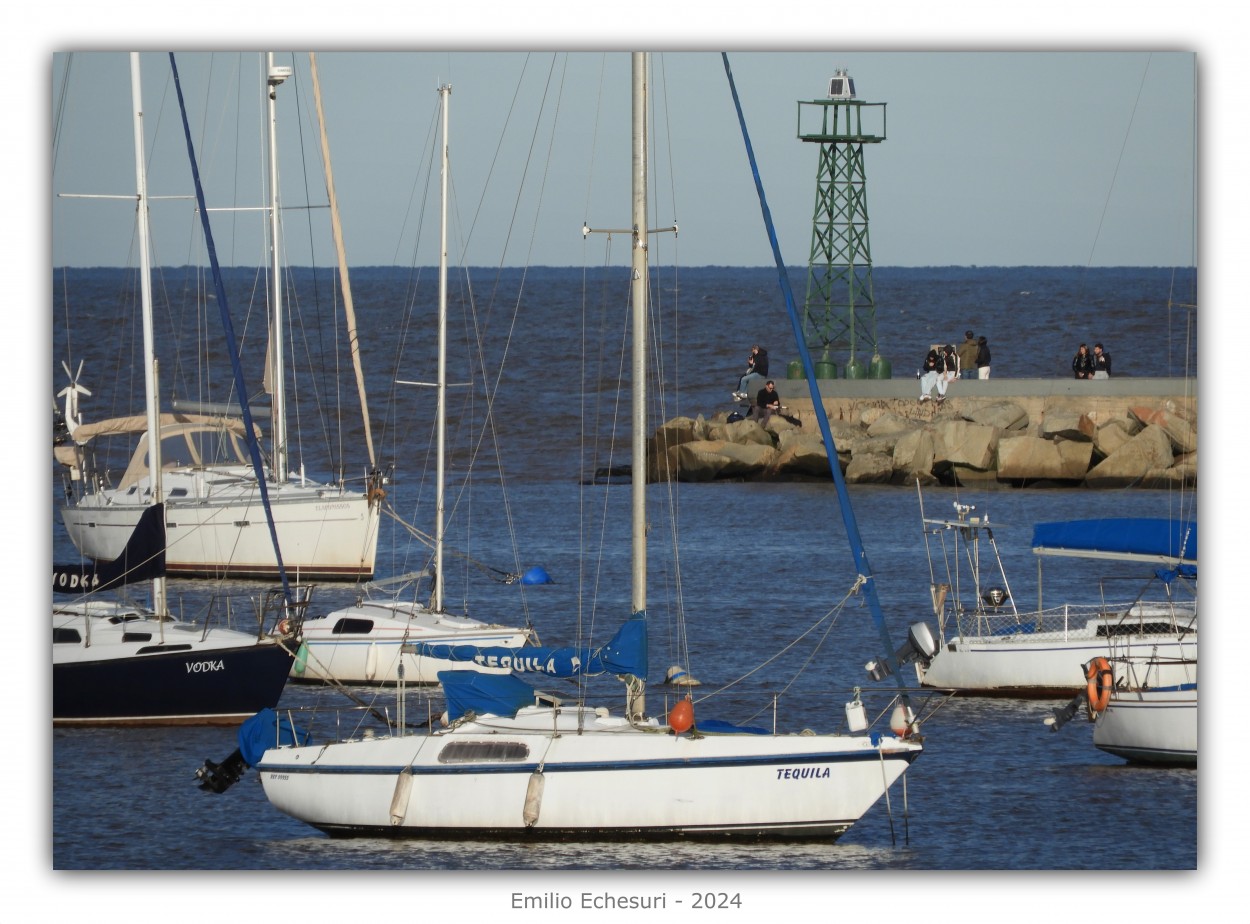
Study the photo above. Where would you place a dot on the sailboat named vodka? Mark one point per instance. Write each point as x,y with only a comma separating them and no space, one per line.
115,662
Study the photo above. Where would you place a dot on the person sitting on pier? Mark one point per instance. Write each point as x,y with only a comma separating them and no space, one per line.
933,373
767,402
950,361
757,370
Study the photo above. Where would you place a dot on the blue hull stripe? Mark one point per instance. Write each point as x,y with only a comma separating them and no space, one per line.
501,768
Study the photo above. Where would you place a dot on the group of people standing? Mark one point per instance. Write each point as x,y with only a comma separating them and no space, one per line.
942,365
945,363
1087,365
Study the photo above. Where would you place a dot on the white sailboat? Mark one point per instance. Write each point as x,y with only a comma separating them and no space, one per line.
987,645
515,762
373,641
117,663
1150,715
215,524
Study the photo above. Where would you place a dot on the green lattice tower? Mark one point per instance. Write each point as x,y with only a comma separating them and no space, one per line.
839,312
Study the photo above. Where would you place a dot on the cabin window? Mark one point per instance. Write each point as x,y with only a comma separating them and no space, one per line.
351,626
465,752
65,636
178,492
162,649
136,636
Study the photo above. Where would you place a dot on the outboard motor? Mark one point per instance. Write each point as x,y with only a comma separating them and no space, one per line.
920,646
256,735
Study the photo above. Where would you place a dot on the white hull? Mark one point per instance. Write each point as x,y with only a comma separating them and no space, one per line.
1154,726
609,780
216,527
363,643
1047,665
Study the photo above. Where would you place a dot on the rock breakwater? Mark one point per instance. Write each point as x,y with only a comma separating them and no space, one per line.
1098,441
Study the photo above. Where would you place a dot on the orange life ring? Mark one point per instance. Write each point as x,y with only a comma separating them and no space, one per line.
283,627
1099,681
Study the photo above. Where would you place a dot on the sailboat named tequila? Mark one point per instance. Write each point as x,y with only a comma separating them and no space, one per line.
515,762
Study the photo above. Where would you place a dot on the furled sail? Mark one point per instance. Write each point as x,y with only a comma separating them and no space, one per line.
624,654
142,559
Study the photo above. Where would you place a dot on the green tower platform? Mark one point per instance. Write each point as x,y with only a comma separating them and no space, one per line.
840,321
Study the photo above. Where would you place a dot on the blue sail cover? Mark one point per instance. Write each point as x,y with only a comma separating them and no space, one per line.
265,730
626,653
473,691
1129,537
142,559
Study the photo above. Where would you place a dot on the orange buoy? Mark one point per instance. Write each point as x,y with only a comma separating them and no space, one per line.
1099,682
283,627
681,716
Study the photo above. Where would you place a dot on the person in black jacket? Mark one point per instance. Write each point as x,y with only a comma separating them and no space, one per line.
983,358
933,372
767,402
950,364
1102,362
757,370
1083,363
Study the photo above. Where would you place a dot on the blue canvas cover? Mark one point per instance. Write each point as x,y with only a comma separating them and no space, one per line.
142,559
473,691
1130,537
625,653
266,730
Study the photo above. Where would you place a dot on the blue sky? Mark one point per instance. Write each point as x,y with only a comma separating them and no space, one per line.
991,158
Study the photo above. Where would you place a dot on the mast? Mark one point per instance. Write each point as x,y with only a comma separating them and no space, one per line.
277,359
336,225
444,92
638,303
636,702
145,290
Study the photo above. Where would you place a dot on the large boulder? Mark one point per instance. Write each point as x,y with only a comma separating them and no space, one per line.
862,444
1031,458
1114,434
1179,429
961,442
1067,425
1149,451
747,430
801,453
1004,415
701,460
870,468
913,456
745,460
890,424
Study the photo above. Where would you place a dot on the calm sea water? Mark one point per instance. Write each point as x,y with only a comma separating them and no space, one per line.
757,565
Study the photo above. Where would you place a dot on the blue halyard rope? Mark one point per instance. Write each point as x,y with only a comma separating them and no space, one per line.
844,501
232,347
